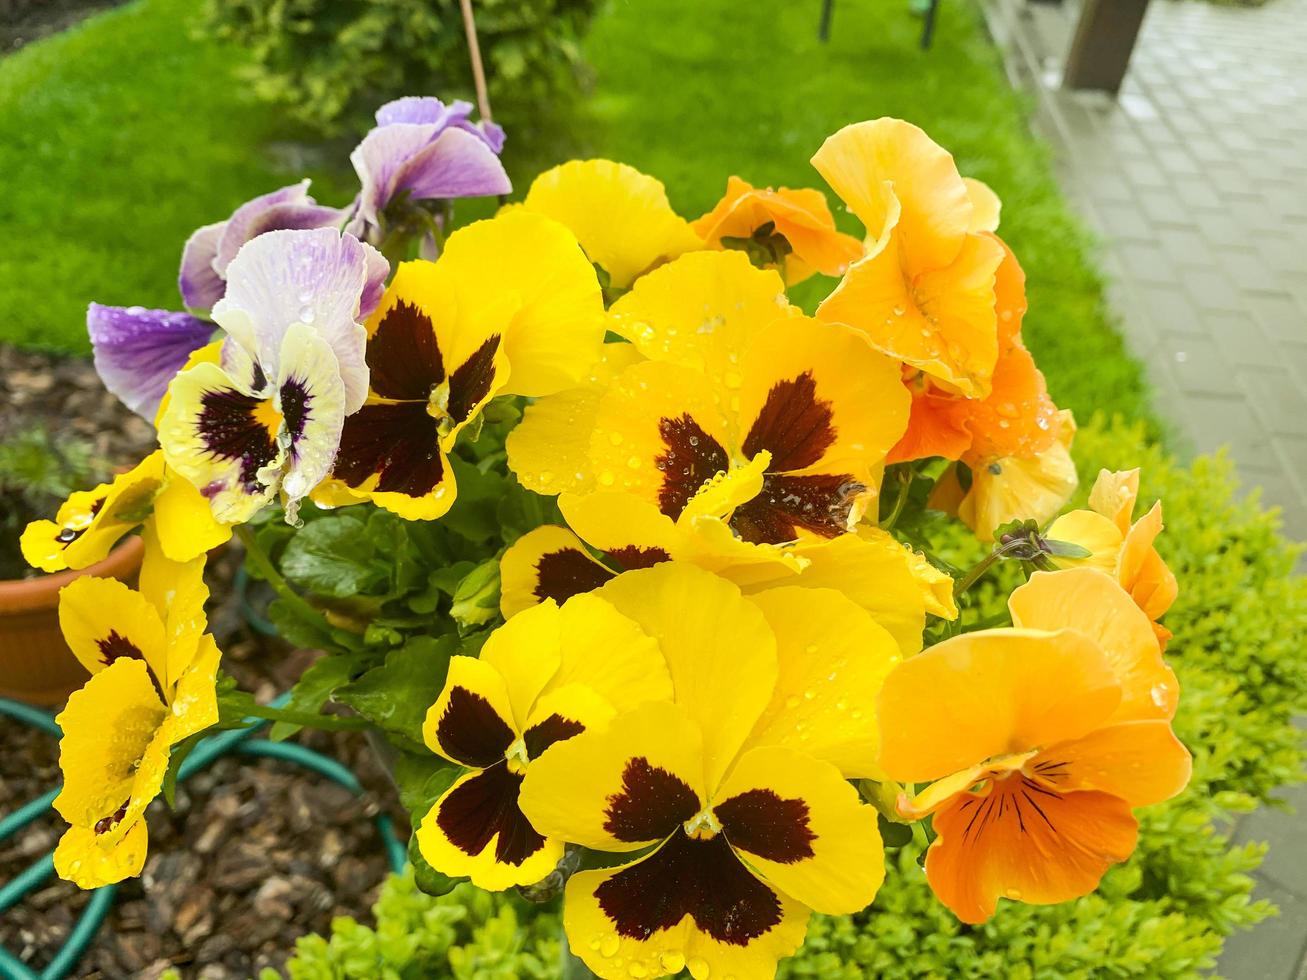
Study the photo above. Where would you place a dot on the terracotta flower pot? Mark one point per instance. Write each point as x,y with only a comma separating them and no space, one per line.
36,665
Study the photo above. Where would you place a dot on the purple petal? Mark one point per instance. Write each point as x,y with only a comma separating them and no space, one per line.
423,109
139,351
286,208
316,277
456,164
378,161
374,285
198,281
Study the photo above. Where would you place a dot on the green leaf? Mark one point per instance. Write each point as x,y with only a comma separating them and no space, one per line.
334,556
179,753
395,696
315,686
475,514
893,834
421,777
427,878
310,633
1066,549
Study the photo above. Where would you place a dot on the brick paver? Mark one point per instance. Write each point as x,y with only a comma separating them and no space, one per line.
1195,179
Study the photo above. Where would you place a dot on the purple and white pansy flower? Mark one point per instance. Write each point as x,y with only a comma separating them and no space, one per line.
138,351
427,151
267,418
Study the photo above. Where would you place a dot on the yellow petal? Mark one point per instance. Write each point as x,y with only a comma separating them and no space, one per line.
105,621
1091,531
701,311
620,788
985,205
89,862
549,449
833,659
1114,494
525,652
803,828
620,216
991,693
720,652
108,726
177,592
195,700
185,523
608,653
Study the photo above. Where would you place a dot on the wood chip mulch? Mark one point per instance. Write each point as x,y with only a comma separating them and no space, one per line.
258,852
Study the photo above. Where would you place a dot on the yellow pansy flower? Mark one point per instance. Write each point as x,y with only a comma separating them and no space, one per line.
91,522
545,677
620,216
1120,545
736,790
152,681
512,307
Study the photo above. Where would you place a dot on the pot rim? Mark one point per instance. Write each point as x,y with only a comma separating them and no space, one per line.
42,592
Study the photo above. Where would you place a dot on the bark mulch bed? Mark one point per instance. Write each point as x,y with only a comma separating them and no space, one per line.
258,852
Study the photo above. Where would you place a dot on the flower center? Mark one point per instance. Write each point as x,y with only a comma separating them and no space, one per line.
516,756
703,825
438,407
266,415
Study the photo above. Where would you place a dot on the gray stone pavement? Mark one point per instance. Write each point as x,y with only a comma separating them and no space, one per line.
1195,179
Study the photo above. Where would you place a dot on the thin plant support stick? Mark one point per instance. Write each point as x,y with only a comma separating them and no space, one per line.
474,52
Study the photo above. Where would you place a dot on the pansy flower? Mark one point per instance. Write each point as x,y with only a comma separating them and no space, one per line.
139,351
924,292
1040,739
90,522
268,418
808,405
152,681
788,230
1121,547
512,307
423,150
1012,487
735,792
621,217
547,676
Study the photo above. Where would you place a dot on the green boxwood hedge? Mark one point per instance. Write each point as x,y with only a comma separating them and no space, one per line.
1238,624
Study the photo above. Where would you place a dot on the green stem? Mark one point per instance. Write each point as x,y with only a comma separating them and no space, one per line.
976,573
269,572
306,719
904,478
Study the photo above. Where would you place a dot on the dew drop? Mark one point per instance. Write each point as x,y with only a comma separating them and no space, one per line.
698,968
671,961
609,945
606,478
637,970
615,438
809,694
306,315
898,311
1158,694
546,476
1013,894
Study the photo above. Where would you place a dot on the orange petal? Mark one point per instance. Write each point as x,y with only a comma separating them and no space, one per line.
1025,842
1142,762
991,693
1141,570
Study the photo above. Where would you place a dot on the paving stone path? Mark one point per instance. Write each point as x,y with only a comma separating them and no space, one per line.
1195,179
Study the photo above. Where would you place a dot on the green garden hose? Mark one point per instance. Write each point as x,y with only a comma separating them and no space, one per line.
206,752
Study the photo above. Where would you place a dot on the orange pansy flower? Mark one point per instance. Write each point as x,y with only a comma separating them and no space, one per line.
925,291
1038,741
789,230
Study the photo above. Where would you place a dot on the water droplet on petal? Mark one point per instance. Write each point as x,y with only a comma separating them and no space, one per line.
609,945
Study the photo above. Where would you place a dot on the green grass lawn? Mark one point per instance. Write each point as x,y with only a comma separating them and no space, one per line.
121,136
117,139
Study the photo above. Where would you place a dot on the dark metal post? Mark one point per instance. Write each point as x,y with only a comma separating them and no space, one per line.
1104,40
928,28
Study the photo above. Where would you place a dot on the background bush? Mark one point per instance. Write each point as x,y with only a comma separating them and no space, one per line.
332,62
1164,913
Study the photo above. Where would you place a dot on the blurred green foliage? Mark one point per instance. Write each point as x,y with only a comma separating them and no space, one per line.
37,472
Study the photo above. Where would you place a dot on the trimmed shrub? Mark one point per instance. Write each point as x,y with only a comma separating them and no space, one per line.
1164,913
332,62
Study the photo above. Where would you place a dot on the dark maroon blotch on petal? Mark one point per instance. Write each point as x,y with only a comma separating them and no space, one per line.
692,458
471,731
795,426
471,381
403,358
486,805
553,729
819,503
651,803
295,402
763,823
699,878
229,430
567,572
632,557
399,443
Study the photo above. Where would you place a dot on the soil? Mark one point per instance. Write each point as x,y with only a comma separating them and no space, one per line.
25,21
257,852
